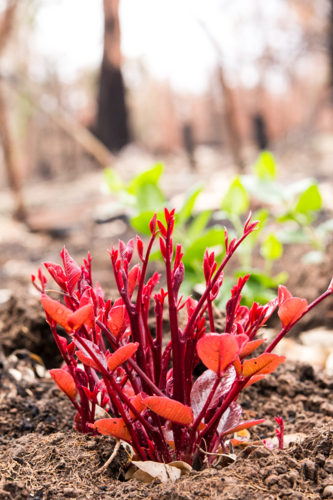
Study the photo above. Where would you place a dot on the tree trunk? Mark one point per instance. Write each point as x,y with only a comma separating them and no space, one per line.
112,128
330,48
6,140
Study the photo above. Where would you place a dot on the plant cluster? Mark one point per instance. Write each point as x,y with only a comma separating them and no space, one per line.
289,215
149,394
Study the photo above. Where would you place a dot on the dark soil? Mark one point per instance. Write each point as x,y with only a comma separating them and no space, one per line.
41,457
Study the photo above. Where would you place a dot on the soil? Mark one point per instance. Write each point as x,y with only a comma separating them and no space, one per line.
42,457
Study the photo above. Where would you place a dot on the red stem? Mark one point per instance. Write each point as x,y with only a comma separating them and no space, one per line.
204,296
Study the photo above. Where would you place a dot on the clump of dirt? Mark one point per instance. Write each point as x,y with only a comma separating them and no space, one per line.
23,326
61,465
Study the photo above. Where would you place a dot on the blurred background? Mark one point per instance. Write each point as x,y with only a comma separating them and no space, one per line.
111,109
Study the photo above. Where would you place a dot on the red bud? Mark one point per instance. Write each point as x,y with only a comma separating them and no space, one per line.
162,229
139,246
152,224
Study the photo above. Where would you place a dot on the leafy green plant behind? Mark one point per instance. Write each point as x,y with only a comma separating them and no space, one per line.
142,197
290,217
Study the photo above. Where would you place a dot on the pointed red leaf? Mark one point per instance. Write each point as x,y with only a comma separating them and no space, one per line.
238,366
57,274
203,386
121,355
261,365
94,348
138,403
217,351
170,409
133,278
247,424
86,360
112,427
86,298
65,382
230,418
241,339
250,347
254,379
116,320
84,315
291,310
72,270
284,294
58,312
271,306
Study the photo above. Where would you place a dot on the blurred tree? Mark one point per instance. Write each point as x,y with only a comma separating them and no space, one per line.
7,144
112,126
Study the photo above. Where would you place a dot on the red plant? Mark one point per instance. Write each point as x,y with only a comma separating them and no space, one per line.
162,412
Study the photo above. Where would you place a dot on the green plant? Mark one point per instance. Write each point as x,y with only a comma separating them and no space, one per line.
288,216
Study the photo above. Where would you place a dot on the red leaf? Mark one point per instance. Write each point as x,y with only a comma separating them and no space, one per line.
133,278
83,315
238,366
254,379
191,305
217,351
86,298
170,409
65,382
271,306
241,339
247,424
230,418
284,294
203,386
58,312
72,270
250,347
138,403
94,348
57,274
112,427
291,310
266,363
116,320
121,355
86,360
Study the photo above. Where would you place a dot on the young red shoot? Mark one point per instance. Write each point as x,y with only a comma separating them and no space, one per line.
149,392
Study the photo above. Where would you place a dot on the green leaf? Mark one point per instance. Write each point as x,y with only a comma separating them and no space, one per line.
265,166
297,187
269,192
236,201
150,176
314,257
261,277
186,211
149,197
288,236
213,237
271,248
198,225
113,180
310,200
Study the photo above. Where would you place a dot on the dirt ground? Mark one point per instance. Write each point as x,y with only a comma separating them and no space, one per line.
42,457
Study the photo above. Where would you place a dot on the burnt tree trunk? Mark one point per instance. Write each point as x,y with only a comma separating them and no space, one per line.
112,127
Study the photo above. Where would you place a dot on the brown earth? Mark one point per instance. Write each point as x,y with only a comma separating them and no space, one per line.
41,457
